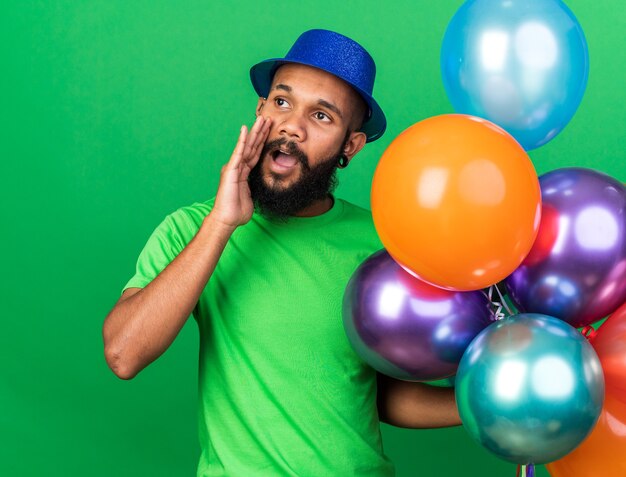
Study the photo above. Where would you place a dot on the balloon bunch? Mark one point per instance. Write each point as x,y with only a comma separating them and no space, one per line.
459,208
544,381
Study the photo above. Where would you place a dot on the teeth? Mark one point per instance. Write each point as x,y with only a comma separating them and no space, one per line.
279,151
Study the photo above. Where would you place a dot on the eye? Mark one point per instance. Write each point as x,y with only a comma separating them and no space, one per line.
321,116
281,102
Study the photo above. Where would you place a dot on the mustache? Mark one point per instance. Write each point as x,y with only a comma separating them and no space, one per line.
290,146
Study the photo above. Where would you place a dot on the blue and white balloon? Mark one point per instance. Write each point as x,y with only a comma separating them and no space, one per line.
522,64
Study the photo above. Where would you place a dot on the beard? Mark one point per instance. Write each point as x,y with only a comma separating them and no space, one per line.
315,183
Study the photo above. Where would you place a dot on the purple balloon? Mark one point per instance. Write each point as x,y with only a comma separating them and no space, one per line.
576,270
406,328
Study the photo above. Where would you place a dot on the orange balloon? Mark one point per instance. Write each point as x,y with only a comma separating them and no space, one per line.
602,453
456,201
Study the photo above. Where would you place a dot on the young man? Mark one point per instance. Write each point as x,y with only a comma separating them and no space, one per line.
263,267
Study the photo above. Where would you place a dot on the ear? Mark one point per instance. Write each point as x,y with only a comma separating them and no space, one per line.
259,105
355,143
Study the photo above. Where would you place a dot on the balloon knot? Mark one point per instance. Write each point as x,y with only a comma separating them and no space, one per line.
588,332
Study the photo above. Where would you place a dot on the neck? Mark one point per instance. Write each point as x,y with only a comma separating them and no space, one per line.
317,208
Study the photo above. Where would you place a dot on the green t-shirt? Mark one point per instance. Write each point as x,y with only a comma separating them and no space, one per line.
281,390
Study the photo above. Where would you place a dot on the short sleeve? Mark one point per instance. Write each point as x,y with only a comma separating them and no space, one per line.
162,247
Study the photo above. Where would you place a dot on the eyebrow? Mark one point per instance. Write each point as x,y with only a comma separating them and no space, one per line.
283,87
330,106
321,102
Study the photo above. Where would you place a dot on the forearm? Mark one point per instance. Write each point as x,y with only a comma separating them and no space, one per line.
416,405
142,326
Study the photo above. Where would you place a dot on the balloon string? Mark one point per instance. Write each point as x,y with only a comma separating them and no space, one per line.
487,294
498,309
588,332
503,301
498,305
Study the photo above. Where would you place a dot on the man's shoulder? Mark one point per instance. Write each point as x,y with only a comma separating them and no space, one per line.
357,228
355,212
195,212
183,223
358,219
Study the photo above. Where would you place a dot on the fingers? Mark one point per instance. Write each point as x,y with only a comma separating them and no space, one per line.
250,144
257,147
255,138
235,159
264,133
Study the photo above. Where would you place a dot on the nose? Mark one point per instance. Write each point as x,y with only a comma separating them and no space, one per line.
292,127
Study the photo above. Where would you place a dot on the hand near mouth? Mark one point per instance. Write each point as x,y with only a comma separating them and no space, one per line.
233,204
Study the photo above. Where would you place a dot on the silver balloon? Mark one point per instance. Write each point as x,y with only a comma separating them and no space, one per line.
530,388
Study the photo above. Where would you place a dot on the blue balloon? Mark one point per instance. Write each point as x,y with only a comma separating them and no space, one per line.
522,64
529,388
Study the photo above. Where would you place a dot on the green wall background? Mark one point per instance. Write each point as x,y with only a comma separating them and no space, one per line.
115,113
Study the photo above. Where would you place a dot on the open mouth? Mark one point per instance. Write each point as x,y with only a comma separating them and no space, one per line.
282,160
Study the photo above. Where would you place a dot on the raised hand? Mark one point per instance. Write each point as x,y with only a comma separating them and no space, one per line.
233,204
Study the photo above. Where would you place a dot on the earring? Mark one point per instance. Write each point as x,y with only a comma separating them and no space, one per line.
342,162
